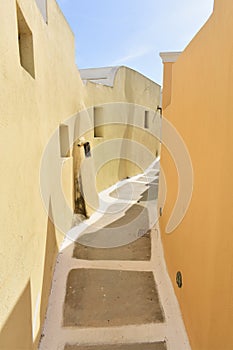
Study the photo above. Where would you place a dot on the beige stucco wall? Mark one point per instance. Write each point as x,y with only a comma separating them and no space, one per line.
34,102
123,109
201,247
31,109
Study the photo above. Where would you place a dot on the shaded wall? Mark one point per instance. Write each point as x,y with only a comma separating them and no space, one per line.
40,87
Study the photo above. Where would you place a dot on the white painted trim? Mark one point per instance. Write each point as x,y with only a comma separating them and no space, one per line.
169,57
103,75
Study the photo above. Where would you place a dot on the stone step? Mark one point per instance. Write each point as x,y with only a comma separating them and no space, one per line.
106,298
139,250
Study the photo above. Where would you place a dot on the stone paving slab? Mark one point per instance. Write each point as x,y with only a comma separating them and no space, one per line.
101,298
144,346
120,232
139,250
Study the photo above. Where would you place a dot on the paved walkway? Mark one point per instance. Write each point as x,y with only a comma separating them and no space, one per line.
119,298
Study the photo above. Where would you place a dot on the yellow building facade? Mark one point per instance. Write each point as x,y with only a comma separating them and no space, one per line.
45,102
121,107
198,101
40,86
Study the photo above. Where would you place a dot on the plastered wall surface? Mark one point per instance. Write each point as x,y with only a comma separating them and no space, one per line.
31,109
201,86
122,113
41,100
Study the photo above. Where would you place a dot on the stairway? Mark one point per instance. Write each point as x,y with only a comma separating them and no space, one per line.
109,296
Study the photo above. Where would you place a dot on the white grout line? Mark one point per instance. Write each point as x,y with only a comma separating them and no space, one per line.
146,182
113,335
110,265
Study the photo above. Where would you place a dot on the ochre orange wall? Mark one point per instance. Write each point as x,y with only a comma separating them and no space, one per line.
167,82
201,247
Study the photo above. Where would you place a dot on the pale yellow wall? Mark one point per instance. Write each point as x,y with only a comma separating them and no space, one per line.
122,121
129,86
133,163
202,245
31,109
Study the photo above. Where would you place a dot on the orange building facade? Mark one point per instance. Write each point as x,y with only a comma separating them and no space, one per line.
198,101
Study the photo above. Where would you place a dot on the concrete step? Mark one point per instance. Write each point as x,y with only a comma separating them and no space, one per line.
139,250
106,298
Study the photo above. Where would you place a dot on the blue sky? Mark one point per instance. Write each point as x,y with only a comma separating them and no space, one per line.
133,32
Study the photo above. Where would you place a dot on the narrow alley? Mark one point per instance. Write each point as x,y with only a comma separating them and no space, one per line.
110,289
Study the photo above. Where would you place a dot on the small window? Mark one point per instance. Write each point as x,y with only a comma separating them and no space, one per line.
98,121
25,40
42,5
64,140
146,120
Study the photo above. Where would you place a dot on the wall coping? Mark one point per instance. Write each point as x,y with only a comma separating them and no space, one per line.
169,57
